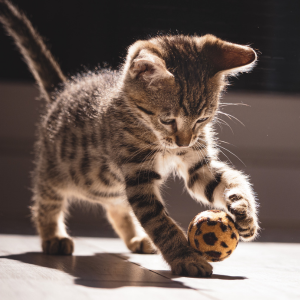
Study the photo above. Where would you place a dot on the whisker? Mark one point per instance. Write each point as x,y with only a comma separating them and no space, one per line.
154,158
136,153
145,158
217,157
231,116
232,154
224,122
226,157
226,143
218,123
231,104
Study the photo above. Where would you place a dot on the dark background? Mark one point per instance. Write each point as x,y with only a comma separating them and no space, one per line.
85,34
90,33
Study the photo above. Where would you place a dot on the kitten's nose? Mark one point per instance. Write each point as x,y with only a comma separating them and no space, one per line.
182,145
183,140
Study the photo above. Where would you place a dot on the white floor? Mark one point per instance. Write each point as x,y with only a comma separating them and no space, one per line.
104,269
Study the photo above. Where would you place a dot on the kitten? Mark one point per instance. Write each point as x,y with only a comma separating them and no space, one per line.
113,137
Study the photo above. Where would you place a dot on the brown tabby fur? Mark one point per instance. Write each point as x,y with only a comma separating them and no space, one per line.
113,137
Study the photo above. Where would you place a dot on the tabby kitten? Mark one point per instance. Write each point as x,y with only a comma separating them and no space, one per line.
113,137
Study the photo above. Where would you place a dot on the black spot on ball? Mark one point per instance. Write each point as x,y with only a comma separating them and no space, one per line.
233,236
216,260
214,254
210,238
223,227
230,227
199,223
228,254
196,243
211,223
198,231
223,244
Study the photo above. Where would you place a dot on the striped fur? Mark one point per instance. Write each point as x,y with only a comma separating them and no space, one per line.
113,137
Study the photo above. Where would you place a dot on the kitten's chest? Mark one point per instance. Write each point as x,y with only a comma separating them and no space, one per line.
168,163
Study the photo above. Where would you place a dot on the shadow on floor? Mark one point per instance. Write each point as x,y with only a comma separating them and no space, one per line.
103,270
213,276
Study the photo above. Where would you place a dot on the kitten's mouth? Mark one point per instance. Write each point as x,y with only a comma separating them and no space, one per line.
183,147
168,145
174,146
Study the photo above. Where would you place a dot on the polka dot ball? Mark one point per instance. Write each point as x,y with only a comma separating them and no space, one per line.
213,234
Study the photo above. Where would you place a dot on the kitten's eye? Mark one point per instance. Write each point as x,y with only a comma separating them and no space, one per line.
168,122
201,120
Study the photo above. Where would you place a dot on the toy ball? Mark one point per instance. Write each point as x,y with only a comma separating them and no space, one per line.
213,234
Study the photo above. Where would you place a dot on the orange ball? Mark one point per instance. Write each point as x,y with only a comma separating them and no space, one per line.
213,234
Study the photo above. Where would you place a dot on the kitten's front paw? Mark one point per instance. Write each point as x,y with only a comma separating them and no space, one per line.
191,263
58,246
245,217
142,245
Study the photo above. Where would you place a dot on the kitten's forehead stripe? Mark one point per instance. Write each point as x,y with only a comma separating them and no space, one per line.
201,102
148,112
186,113
184,61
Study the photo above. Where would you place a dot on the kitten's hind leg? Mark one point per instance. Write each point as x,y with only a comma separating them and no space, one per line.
128,230
48,214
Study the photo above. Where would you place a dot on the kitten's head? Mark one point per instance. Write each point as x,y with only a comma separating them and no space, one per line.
174,83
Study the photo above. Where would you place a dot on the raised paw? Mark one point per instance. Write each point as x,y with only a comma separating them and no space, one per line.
141,245
58,246
192,264
245,217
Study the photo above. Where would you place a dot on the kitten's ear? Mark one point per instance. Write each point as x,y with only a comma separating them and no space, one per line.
227,57
149,67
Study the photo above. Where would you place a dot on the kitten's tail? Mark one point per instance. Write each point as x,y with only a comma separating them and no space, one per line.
41,63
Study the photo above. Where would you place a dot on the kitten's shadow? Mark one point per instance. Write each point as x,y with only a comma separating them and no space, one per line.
102,270
213,276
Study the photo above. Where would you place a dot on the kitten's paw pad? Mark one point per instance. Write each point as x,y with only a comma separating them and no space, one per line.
58,246
193,266
141,245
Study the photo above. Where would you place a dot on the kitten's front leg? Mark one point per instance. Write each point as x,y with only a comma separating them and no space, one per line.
142,187
125,226
219,185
